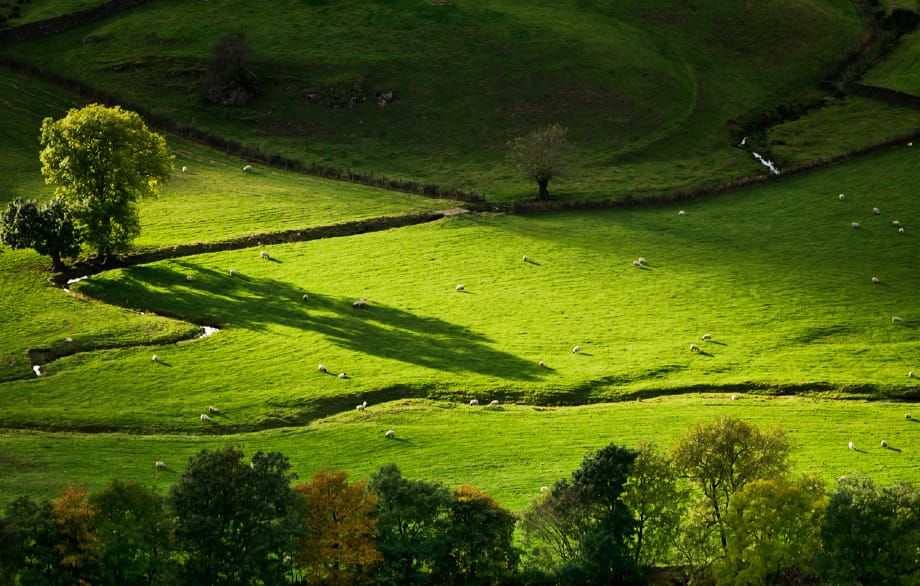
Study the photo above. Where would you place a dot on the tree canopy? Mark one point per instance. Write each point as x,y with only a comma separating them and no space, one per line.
542,155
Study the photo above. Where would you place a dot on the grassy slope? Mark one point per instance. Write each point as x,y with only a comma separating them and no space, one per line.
646,87
509,451
901,69
36,10
775,273
838,129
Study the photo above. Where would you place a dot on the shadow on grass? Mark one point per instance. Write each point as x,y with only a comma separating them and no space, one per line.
255,303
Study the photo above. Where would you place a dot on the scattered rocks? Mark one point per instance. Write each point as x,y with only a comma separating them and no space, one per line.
345,95
386,97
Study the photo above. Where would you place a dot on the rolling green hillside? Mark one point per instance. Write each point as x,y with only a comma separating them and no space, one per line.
901,70
647,88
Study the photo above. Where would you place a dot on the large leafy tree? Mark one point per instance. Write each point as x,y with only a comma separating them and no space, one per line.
133,531
476,542
409,515
723,457
103,161
32,540
77,539
541,156
48,229
773,529
339,546
554,526
871,534
235,521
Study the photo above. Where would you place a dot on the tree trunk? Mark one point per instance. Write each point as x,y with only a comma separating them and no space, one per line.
543,182
56,265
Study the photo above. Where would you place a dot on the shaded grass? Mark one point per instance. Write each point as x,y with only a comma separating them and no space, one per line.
775,273
509,451
900,70
36,10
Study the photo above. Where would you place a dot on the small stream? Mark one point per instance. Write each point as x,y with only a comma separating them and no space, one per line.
774,170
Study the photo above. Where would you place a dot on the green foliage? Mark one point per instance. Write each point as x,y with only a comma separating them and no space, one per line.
409,515
657,502
133,529
47,229
475,542
871,534
542,155
721,458
554,526
103,161
773,528
234,519
34,533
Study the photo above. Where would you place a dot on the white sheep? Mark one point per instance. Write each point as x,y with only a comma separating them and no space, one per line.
493,402
264,254
694,348
911,374
69,340
360,303
900,230
155,358
159,465
907,416
305,297
342,375
841,197
642,260
231,272
682,213
734,397
910,144
188,277
213,409
542,364
576,349
360,407
851,445
205,417
364,403
875,280
459,288
544,489
895,223
474,402
884,444
637,263
705,337
247,169
184,169
896,320
855,225
524,258
322,368
876,211
390,434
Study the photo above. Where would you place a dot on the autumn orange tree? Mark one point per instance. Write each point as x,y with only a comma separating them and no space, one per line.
76,544
340,546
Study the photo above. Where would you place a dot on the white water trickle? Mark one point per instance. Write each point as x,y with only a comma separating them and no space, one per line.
208,331
743,142
66,290
774,170
37,370
77,280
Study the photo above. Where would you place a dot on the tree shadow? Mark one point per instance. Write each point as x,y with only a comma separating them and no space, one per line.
246,302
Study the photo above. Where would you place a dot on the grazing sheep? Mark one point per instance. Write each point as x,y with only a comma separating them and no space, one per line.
544,489
390,434
159,465
876,211
734,397
694,348
895,223
188,277
204,417
360,407
155,358
841,197
342,375
642,260
907,416
247,169
232,272
705,337
855,225
264,254
900,230
911,374
524,258
306,297
896,320
322,368
542,364
493,402
637,263
576,349
681,213
474,402
213,409
884,444
364,403
360,303
875,280
851,445
459,288
184,169
68,340
910,144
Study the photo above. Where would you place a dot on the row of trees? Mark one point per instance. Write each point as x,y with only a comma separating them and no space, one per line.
719,507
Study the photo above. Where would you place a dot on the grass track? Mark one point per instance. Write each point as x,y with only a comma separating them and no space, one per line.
510,451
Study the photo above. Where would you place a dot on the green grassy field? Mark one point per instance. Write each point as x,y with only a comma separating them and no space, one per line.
775,273
901,69
646,88
509,451
35,10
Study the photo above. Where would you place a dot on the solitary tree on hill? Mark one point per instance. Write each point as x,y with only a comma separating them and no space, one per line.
103,161
541,155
